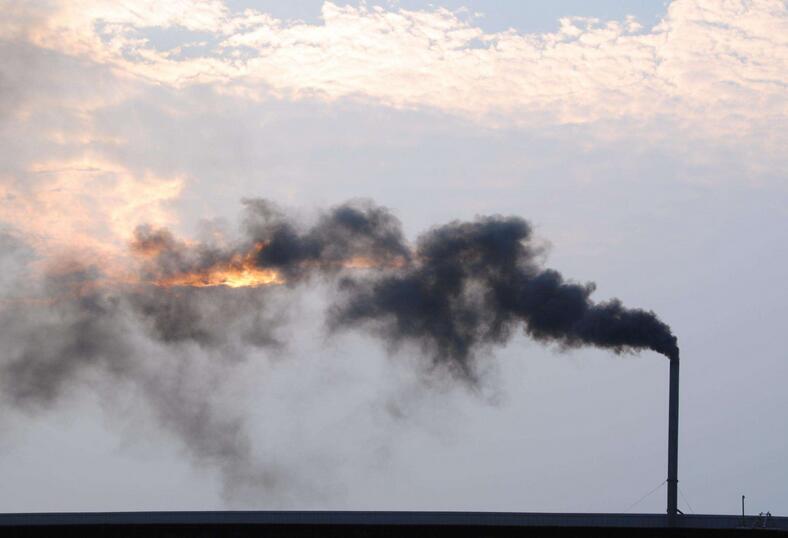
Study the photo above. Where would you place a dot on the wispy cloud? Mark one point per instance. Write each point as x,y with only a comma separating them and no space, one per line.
712,69
716,65
87,207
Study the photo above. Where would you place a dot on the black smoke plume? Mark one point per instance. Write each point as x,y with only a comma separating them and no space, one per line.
471,284
352,230
465,286
462,289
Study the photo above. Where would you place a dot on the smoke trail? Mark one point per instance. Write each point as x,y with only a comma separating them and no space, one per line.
464,288
352,231
277,249
151,341
77,324
473,283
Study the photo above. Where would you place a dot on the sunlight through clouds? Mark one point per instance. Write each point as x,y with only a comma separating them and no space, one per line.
87,206
715,65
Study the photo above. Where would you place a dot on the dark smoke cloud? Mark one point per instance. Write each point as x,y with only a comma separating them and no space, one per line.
473,283
464,288
170,257
356,229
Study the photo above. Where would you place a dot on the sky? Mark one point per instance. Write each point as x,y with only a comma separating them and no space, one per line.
643,142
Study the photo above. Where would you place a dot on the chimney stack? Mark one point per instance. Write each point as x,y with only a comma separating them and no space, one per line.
673,438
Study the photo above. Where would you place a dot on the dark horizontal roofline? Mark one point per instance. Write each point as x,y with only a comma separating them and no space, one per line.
374,518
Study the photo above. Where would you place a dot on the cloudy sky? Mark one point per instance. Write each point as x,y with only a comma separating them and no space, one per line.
645,143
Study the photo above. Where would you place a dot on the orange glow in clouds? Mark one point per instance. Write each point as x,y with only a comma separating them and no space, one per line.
239,272
79,216
86,209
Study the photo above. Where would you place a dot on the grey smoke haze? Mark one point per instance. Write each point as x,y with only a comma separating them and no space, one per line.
146,340
464,288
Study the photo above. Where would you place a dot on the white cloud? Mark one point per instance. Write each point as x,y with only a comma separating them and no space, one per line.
716,65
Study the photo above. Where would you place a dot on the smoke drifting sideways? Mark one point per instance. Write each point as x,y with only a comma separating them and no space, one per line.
174,327
72,333
473,283
191,311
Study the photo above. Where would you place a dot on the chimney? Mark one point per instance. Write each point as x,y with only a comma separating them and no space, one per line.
673,438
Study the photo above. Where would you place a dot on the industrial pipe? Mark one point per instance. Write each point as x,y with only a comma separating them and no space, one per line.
673,438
